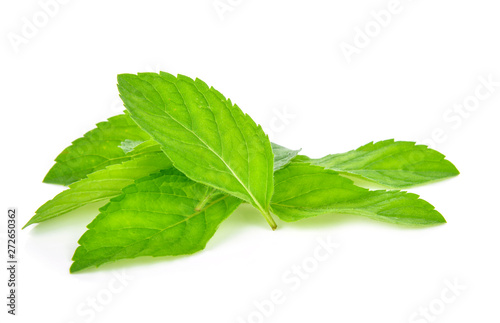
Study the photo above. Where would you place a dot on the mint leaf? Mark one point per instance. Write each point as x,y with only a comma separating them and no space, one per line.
104,184
183,158
97,149
397,164
303,191
164,214
167,214
101,185
207,138
105,142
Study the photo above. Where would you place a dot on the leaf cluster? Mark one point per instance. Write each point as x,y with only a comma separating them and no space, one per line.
183,157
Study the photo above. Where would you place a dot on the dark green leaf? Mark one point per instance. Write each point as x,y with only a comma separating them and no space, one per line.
164,214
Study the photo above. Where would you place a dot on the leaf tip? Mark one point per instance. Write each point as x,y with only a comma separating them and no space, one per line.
75,267
124,77
440,218
455,170
52,176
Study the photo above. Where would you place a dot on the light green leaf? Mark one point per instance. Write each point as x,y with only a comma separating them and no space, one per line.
104,184
164,214
103,141
97,149
303,190
101,185
397,164
207,138
167,214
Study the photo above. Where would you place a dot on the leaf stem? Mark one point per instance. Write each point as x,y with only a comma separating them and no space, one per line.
207,197
269,218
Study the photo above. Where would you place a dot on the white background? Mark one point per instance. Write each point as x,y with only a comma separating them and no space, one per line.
281,62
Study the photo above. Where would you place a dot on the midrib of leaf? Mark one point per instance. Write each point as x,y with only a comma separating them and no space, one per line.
378,158
113,160
264,212
359,163
302,194
367,206
109,161
363,155
360,200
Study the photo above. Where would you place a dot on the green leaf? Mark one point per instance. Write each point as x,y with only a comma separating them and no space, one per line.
105,184
303,190
104,140
101,185
207,138
164,214
97,149
168,214
397,164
